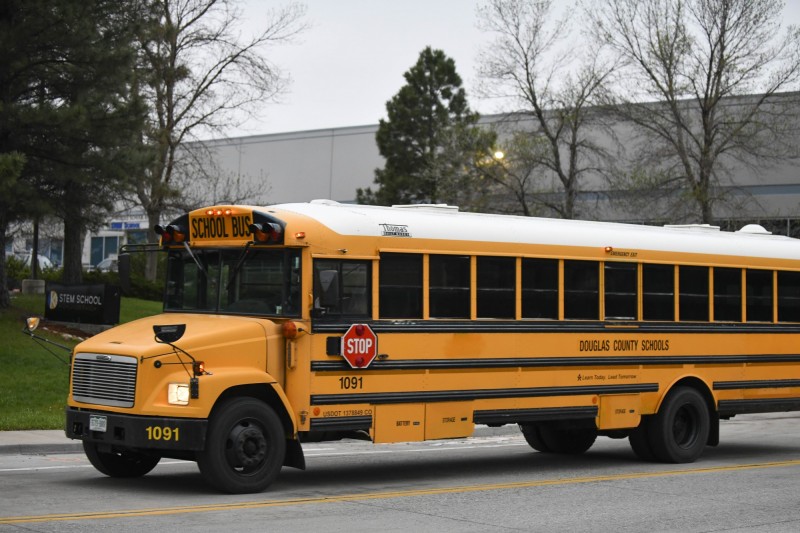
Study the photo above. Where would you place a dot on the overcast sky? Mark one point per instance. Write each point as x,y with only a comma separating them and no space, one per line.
351,60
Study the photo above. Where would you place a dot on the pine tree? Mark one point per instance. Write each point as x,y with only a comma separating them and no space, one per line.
424,137
66,105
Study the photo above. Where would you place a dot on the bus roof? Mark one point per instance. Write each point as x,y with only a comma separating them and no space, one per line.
447,223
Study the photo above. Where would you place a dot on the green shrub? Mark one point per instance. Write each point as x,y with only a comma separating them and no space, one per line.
16,271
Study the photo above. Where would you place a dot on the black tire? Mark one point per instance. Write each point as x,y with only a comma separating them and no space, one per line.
120,464
533,436
245,447
572,441
678,433
640,442
549,439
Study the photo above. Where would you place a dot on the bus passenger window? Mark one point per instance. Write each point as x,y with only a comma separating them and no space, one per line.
693,295
449,286
342,288
727,295
496,287
658,292
540,288
581,290
788,296
400,282
759,295
621,288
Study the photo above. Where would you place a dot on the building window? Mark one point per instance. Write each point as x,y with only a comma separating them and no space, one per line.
400,285
581,290
496,287
540,288
658,292
449,286
102,247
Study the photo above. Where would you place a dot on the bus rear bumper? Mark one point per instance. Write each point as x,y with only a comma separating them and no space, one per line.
136,432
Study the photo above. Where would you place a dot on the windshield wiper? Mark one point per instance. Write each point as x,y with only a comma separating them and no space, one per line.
238,266
196,260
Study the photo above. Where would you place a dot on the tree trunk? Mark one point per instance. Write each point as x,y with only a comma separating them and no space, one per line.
151,260
35,250
73,250
5,298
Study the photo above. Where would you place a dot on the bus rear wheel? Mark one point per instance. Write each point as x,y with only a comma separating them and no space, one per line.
548,438
533,436
639,441
679,431
119,464
245,447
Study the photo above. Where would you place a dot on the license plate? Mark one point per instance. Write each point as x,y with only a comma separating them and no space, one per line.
98,423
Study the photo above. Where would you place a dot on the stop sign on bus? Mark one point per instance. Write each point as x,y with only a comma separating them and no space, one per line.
359,345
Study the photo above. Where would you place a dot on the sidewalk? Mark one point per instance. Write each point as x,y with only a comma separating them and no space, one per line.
37,442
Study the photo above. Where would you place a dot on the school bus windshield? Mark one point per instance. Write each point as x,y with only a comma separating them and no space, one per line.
234,281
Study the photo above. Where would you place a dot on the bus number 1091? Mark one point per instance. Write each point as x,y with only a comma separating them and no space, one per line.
350,383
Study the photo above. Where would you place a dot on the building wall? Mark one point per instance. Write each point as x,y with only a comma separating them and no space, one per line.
334,163
302,166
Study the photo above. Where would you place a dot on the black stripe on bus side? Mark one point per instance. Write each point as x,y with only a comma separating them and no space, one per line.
542,362
467,395
768,405
515,416
566,326
757,384
342,423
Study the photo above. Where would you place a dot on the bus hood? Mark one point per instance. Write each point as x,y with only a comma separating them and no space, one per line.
204,335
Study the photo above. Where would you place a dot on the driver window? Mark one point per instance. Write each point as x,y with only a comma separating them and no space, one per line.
342,288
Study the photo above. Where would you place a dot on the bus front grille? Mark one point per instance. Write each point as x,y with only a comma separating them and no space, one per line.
103,379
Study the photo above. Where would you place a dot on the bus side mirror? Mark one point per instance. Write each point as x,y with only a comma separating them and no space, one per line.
124,270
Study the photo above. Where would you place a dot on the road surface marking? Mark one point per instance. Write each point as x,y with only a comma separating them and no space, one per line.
106,515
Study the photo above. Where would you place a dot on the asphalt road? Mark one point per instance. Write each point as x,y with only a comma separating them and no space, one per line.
491,482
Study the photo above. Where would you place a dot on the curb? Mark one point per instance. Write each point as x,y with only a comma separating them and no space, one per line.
37,442
40,449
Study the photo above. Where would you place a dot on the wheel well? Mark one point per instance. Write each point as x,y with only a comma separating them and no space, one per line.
700,386
266,394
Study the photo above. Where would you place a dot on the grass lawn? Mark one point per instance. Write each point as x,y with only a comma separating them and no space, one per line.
34,382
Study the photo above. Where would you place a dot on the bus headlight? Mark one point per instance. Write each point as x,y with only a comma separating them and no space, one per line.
178,394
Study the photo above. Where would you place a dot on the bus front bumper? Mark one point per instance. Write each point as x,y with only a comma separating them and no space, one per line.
136,432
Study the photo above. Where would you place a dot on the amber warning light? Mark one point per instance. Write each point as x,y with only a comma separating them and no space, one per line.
219,212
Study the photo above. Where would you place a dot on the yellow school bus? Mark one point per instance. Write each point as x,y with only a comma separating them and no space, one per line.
316,321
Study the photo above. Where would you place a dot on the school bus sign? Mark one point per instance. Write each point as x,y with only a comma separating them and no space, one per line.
359,345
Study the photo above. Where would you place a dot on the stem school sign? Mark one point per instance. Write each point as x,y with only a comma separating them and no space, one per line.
85,304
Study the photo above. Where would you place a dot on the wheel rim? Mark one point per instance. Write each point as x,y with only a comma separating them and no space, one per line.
246,448
684,426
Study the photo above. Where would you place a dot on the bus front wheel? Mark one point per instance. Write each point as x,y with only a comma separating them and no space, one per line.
245,447
120,464
679,431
